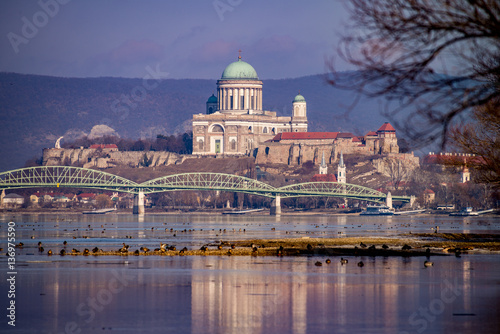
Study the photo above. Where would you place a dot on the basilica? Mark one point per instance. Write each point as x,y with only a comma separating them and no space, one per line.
235,122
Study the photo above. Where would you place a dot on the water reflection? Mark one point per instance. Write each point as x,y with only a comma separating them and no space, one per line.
248,294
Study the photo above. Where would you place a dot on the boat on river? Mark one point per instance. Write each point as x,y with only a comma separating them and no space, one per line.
375,210
467,211
98,212
241,212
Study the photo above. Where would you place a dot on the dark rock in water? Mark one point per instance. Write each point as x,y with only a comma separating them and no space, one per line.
406,247
360,264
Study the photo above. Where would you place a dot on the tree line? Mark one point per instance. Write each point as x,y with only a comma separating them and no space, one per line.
181,143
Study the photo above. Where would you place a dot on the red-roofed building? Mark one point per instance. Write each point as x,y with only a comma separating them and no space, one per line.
429,196
324,178
386,128
294,148
86,197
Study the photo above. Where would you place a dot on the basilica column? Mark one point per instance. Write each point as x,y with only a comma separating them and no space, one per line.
226,98
236,95
253,98
247,98
260,99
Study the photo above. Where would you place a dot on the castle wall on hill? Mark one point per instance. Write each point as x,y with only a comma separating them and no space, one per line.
293,153
107,158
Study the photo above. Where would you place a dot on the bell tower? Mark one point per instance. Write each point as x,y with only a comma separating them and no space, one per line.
341,175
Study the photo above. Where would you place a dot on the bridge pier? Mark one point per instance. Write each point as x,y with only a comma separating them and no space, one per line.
138,208
388,200
276,206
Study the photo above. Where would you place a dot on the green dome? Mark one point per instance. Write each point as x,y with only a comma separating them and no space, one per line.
299,98
212,99
240,70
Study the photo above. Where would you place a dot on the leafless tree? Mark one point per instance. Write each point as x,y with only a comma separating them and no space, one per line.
435,57
481,138
397,172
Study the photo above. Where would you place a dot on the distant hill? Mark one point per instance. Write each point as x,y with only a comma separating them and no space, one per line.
35,110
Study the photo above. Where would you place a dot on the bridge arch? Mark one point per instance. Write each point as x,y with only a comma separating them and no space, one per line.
65,176
208,181
332,189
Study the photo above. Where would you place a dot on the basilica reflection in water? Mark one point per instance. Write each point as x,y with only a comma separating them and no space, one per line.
285,295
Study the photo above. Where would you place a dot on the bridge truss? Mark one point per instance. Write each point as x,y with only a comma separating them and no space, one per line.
76,177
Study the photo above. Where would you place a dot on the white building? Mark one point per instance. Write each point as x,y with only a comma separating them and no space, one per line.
235,122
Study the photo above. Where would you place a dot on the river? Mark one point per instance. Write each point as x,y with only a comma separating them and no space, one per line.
243,294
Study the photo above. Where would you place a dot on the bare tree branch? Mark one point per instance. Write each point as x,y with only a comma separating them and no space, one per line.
434,57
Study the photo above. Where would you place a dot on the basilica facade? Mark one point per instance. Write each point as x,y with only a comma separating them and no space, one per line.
235,122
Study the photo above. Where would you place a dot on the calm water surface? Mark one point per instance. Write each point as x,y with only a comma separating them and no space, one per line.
243,294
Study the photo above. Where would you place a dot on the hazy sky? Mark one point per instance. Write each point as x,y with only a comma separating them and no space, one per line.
184,38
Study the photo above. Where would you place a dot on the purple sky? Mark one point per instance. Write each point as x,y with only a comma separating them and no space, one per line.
187,39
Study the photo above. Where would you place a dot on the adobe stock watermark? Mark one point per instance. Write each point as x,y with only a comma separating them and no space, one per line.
87,310
266,309
122,106
421,318
30,28
223,6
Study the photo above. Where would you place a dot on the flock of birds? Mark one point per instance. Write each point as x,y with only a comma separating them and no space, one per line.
165,247
427,263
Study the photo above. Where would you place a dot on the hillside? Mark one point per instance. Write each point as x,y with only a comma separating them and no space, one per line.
36,110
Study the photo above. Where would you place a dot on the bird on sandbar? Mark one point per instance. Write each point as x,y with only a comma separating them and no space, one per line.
163,246
406,247
65,242
360,264
309,247
328,261
384,246
74,250
95,250
40,249
124,249
362,245
203,248
372,247
62,252
144,249
428,264
219,247
49,252
343,261
86,251
318,264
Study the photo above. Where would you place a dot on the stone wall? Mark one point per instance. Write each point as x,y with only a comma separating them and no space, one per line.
293,153
104,158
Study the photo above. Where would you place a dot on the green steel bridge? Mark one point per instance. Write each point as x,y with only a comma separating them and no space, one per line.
76,177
